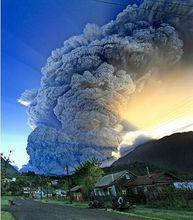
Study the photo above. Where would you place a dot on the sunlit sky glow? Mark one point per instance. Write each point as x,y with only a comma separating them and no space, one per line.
163,107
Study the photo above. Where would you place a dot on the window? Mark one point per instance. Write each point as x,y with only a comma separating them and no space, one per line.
124,191
135,190
97,192
111,191
145,189
127,177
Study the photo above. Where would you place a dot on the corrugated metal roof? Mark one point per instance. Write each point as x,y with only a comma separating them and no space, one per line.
109,179
75,188
160,177
140,180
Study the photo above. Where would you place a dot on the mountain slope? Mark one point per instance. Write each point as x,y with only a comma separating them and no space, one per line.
8,168
174,152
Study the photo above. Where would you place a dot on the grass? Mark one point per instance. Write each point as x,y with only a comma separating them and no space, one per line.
139,211
159,214
64,202
5,203
6,216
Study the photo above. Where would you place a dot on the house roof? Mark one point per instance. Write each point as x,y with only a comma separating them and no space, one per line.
110,178
161,177
74,189
140,180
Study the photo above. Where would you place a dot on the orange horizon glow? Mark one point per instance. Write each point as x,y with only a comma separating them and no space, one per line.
162,108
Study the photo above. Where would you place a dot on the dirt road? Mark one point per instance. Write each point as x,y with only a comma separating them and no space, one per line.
32,210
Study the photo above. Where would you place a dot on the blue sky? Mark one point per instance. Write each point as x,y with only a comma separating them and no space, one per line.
30,31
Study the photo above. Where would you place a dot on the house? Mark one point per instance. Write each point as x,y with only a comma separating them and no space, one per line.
8,180
28,192
54,182
77,193
188,185
36,193
113,184
149,187
137,189
61,193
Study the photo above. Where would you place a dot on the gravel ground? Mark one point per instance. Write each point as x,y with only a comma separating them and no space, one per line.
33,210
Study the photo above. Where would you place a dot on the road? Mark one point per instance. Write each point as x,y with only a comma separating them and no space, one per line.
33,210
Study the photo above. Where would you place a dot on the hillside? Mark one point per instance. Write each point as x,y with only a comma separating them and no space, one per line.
174,152
10,170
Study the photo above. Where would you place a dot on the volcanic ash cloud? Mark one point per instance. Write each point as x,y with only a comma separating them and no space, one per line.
74,113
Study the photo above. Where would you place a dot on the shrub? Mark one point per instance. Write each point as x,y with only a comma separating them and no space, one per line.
172,199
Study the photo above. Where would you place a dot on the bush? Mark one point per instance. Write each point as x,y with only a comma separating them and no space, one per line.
172,199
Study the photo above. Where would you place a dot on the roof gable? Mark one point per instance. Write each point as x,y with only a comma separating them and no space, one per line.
111,178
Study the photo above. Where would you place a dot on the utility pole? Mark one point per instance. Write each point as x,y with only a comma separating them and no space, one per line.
41,183
68,179
148,173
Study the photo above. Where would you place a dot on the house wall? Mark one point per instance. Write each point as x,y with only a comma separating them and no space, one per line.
100,191
108,191
146,193
116,189
78,196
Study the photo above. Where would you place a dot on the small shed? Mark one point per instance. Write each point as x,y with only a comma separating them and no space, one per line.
77,193
113,184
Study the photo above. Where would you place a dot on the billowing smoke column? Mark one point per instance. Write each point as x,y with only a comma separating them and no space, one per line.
75,112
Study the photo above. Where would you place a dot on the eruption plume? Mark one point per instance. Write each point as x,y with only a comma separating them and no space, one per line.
75,113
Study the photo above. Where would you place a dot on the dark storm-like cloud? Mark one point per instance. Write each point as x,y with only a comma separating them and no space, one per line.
75,111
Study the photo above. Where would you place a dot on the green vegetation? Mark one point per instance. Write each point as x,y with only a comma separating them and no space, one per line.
5,203
7,169
178,199
29,179
87,174
6,216
159,214
140,168
161,153
65,202
176,204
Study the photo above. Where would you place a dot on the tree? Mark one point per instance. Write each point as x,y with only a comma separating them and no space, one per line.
87,174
